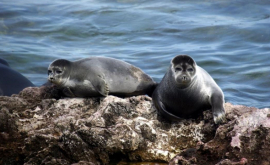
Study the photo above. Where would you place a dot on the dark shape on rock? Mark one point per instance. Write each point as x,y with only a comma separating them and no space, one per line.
11,81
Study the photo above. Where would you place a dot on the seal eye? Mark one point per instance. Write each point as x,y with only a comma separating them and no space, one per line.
58,71
49,72
178,69
190,69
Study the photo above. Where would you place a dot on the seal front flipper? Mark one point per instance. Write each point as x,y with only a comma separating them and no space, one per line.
67,92
217,108
100,85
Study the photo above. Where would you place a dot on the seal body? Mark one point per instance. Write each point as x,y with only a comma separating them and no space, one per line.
11,81
186,90
99,76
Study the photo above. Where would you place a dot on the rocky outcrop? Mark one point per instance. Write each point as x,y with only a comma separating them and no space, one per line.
39,127
245,139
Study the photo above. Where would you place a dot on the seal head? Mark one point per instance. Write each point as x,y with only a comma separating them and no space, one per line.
59,71
183,69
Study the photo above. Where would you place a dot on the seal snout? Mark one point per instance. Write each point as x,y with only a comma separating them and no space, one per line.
51,78
184,79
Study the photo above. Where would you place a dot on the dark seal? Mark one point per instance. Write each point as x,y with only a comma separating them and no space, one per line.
11,81
99,76
186,90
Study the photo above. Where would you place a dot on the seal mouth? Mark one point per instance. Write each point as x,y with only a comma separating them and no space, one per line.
183,82
51,79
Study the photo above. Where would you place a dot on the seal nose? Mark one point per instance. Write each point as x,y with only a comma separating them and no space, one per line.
50,78
184,78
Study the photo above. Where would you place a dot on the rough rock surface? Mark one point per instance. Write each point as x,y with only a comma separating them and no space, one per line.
39,127
244,139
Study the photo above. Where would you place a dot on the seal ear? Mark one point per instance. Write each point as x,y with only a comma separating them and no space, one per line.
183,58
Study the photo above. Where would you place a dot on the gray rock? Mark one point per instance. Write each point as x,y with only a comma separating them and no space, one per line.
36,127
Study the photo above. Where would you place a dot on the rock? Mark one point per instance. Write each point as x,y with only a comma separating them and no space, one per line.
245,139
37,126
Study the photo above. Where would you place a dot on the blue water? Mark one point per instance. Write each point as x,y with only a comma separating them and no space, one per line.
228,38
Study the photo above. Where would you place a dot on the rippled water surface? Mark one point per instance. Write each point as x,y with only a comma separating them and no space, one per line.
228,38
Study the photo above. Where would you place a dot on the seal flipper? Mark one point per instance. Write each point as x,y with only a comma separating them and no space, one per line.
67,92
151,89
165,113
100,85
217,108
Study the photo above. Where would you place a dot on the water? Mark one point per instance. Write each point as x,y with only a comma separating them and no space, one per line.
228,38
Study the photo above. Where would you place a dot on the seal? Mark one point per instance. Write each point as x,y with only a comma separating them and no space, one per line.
186,90
99,76
11,81
3,62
